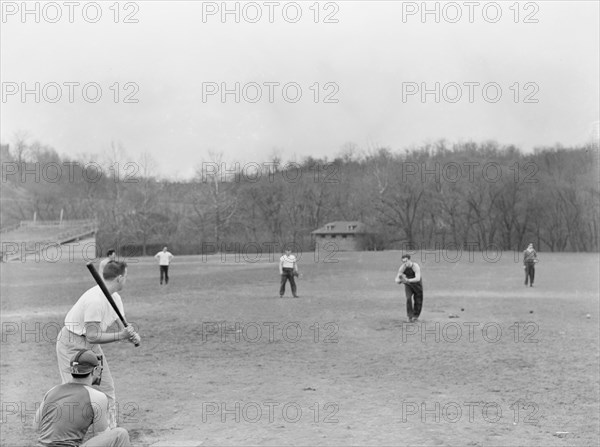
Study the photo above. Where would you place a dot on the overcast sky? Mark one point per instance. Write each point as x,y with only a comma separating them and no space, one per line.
354,76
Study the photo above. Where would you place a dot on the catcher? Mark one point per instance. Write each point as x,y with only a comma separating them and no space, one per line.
409,274
70,409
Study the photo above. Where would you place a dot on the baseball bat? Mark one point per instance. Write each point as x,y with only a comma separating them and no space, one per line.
100,282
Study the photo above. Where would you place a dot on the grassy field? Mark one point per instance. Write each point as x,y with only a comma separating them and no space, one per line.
225,361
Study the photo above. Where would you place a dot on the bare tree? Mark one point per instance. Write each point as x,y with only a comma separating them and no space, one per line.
144,221
21,147
217,194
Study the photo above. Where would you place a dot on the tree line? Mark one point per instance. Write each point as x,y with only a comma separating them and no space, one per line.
468,195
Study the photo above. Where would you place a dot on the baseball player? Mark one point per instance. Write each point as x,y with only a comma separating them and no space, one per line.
69,410
86,327
529,261
288,269
409,274
164,259
111,255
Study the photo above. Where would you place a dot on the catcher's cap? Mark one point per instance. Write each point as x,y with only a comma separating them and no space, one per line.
84,362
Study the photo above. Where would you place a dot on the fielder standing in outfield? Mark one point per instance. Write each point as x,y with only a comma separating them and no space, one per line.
86,327
288,269
111,255
409,274
529,261
68,410
164,259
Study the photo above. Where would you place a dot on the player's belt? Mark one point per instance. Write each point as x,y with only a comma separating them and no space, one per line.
68,336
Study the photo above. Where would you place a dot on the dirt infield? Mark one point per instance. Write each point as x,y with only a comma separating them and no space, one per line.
225,361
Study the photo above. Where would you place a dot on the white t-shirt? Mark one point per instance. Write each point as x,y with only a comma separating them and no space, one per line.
287,262
93,306
164,257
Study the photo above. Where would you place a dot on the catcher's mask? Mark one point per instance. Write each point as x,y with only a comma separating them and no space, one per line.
86,362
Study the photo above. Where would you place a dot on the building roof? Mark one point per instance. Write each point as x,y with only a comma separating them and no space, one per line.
342,227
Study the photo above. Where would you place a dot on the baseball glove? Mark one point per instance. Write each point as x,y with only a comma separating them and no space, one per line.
402,279
296,274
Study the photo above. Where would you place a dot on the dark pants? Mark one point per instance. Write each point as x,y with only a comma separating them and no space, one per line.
529,272
288,274
164,273
414,299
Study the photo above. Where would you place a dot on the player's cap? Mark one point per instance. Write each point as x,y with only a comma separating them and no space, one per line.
84,362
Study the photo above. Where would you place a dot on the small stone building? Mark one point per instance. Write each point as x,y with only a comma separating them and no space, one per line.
341,233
